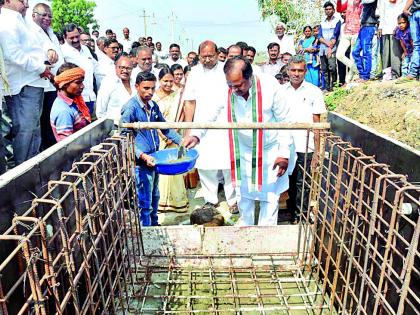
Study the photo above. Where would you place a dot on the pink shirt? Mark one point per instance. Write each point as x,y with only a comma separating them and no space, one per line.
354,9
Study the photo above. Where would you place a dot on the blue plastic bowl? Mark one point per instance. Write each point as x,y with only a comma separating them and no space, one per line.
165,167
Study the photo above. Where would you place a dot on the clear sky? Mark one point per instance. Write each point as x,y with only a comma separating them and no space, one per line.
224,21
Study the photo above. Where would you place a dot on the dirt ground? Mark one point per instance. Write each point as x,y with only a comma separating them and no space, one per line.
390,108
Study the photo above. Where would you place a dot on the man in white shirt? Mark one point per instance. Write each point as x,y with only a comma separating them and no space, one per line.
107,64
259,168
205,92
100,44
160,53
144,63
306,104
116,90
126,41
28,75
174,56
95,34
4,90
391,48
274,64
285,41
80,55
41,26
250,55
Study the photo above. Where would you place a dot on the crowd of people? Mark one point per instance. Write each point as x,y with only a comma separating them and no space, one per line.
56,84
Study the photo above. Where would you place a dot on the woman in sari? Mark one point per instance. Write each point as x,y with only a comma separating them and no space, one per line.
173,194
308,47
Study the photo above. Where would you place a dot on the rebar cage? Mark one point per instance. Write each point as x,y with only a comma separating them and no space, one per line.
80,250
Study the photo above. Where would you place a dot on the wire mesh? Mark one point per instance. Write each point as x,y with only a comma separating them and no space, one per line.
80,250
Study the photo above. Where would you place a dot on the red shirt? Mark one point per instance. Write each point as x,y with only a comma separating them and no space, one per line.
354,9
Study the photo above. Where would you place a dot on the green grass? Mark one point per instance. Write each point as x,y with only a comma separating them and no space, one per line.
333,99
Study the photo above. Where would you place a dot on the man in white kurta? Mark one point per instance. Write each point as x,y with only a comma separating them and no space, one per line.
106,65
80,55
206,93
116,89
278,154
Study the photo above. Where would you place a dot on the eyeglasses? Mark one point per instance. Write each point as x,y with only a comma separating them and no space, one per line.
129,69
44,15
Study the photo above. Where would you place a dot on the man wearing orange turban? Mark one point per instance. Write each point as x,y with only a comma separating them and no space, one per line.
69,112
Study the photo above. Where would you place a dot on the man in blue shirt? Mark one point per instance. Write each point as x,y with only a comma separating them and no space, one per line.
142,108
328,37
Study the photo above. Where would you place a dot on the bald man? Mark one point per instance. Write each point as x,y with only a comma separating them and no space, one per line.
205,92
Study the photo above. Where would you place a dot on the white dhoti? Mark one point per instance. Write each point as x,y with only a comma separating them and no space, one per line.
268,212
272,186
210,183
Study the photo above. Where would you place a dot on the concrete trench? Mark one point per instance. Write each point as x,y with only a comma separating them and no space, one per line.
77,247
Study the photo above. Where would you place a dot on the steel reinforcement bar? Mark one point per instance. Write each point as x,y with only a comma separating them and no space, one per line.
73,251
364,246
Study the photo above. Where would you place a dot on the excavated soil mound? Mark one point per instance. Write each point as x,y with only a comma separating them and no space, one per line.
390,108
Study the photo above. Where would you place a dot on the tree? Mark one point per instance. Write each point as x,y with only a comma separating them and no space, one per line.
79,12
294,13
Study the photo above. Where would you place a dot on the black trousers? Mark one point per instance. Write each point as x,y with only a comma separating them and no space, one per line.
47,135
296,186
2,152
329,69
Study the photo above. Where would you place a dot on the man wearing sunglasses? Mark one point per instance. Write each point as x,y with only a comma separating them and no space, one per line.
41,27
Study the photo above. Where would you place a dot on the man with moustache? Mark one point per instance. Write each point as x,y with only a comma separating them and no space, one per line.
285,41
41,26
25,67
204,93
259,168
78,54
107,64
175,56
251,56
144,63
306,104
273,65
116,89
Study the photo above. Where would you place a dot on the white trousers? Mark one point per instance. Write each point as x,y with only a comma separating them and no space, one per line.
346,41
268,212
210,183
